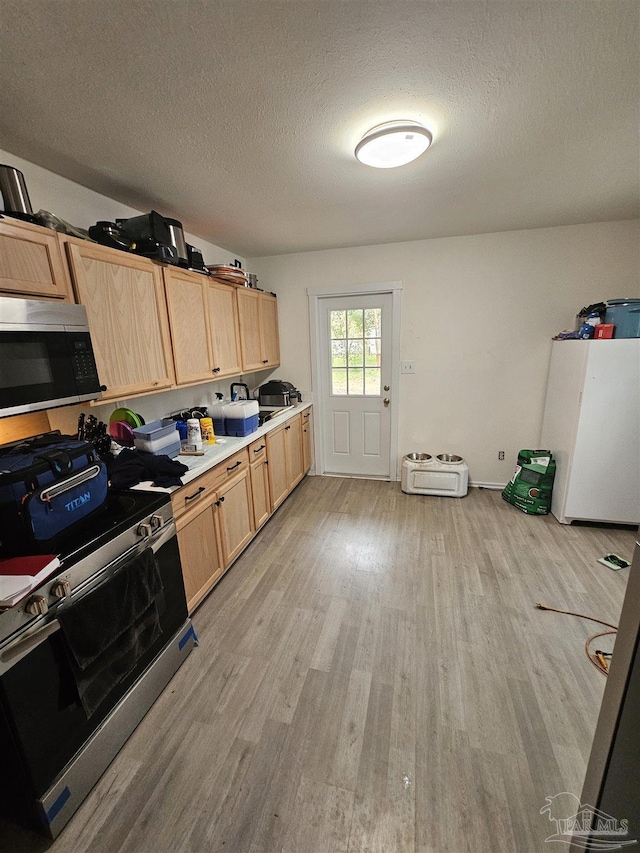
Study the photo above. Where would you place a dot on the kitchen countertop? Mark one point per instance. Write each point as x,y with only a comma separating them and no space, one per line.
218,452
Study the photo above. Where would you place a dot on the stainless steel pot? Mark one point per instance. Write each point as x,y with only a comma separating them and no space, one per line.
176,236
15,198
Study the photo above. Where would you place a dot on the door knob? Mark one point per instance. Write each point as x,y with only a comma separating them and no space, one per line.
386,401
386,387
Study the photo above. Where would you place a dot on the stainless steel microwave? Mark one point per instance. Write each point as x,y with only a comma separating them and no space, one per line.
46,357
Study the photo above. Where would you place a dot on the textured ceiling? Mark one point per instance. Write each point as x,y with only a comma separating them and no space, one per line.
240,117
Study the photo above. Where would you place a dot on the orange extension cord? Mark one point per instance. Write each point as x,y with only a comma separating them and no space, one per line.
597,660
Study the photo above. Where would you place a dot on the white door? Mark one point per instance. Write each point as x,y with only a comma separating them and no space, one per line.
355,352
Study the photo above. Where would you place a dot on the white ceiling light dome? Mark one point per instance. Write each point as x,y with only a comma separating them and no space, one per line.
393,143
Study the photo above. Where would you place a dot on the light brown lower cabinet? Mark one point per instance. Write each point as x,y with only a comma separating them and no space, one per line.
218,514
259,482
235,515
307,440
199,553
284,452
293,431
277,456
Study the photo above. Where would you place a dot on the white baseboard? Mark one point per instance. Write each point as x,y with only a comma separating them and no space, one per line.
478,485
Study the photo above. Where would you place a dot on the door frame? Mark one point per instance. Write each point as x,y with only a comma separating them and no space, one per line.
315,294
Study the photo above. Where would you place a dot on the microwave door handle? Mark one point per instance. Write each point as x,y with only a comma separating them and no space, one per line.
20,647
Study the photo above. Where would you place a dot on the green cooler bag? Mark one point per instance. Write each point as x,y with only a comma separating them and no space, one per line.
531,486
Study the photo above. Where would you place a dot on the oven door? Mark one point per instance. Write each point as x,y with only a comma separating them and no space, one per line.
43,723
40,369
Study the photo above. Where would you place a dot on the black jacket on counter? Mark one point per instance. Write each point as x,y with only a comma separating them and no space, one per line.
131,467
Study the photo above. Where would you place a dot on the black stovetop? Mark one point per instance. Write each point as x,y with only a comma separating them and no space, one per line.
121,510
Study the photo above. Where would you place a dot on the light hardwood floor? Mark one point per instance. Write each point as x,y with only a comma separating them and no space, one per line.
372,676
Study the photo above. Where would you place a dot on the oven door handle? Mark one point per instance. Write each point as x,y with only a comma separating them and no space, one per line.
168,532
21,646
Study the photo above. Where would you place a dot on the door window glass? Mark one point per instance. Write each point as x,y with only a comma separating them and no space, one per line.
356,337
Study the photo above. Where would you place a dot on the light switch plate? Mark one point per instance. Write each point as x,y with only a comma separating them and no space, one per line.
408,367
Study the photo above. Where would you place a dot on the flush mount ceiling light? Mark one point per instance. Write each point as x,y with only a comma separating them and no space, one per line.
392,144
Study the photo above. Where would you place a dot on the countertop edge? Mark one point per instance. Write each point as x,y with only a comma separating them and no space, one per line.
217,453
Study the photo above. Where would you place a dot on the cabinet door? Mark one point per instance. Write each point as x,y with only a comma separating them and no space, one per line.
249,322
32,262
125,303
187,304
260,492
235,515
277,458
293,432
199,554
269,330
223,330
307,440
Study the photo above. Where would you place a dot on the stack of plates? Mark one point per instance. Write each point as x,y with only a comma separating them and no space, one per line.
228,274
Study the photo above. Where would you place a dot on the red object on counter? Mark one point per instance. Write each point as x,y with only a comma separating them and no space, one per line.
604,330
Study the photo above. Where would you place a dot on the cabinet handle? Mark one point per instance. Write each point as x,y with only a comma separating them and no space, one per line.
195,494
103,388
233,467
219,501
222,499
266,461
216,370
265,361
262,447
288,427
216,503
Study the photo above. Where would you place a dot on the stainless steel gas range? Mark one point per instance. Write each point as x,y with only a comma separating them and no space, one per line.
86,654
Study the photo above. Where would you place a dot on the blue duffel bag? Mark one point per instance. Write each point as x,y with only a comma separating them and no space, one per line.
47,484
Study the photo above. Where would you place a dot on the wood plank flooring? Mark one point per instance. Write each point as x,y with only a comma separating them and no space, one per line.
372,677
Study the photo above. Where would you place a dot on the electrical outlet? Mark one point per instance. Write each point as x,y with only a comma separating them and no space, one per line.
408,367
501,455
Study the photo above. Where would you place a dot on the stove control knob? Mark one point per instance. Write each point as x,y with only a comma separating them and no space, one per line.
61,589
36,605
156,522
144,530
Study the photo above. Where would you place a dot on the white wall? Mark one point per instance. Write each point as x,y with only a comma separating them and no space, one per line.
478,314
83,207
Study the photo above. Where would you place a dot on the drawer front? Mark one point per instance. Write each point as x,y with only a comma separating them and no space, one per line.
197,491
194,493
257,450
230,467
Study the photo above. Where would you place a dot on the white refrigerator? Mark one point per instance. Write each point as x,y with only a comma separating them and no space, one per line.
592,425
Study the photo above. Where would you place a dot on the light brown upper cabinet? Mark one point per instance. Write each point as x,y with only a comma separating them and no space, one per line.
259,341
187,304
223,328
269,330
125,302
32,262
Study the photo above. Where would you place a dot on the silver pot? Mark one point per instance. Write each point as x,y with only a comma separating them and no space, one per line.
15,198
176,236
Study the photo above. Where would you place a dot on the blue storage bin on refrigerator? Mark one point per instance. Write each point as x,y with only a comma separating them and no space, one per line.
625,316
241,418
